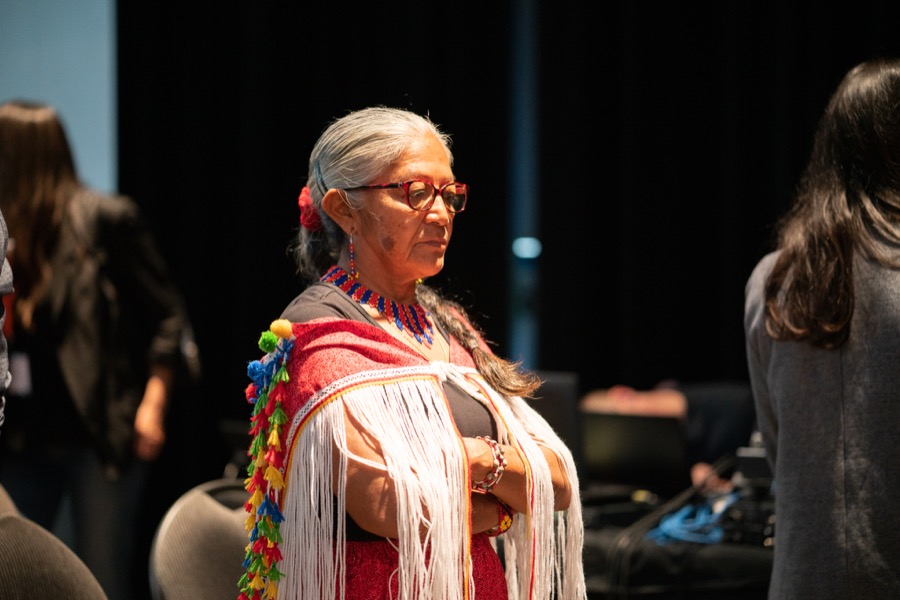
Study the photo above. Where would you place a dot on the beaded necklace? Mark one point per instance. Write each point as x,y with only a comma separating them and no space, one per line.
411,318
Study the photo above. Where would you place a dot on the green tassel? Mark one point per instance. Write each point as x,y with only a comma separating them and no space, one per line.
259,442
275,534
278,417
269,530
265,529
257,566
261,402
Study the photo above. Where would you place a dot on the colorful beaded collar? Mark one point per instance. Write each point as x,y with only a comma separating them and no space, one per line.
411,318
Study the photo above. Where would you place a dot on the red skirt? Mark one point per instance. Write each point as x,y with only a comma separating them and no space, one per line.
371,570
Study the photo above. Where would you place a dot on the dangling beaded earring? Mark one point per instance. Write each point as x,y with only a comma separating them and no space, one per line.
353,273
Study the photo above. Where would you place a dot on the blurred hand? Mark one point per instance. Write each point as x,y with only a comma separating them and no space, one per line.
704,476
149,422
149,432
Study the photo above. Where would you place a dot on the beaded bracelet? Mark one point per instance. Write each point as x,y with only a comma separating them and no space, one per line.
506,519
492,478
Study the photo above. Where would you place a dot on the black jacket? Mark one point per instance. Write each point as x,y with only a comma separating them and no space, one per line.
111,311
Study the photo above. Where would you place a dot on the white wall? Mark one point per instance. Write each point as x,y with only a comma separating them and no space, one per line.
62,52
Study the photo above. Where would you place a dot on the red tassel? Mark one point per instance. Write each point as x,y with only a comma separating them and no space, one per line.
259,479
258,424
277,393
272,553
274,458
272,403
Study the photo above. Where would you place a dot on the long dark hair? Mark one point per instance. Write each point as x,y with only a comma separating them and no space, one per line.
37,180
848,201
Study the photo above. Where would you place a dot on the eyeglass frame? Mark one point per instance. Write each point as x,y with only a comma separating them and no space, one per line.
436,191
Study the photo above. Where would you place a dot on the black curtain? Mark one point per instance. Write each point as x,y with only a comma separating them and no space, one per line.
673,136
671,139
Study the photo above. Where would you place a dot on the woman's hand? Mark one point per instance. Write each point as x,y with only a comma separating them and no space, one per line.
512,485
149,422
481,458
485,512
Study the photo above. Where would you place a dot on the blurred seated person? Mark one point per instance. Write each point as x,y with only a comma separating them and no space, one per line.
718,417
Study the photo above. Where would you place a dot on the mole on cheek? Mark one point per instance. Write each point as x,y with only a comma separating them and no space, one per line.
388,243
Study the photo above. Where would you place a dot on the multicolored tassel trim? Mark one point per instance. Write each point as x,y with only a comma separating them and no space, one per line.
265,481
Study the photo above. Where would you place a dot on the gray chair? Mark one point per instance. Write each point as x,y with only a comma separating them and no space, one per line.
36,565
198,549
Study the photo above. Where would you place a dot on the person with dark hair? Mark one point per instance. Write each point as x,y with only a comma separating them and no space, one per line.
822,322
98,329
390,445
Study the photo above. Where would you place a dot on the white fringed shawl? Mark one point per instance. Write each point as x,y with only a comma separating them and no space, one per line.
405,410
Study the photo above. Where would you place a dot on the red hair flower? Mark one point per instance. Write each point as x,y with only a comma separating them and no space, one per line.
309,216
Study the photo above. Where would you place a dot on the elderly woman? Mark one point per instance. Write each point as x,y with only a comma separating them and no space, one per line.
390,446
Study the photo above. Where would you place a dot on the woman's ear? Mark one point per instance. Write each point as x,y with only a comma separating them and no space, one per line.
336,206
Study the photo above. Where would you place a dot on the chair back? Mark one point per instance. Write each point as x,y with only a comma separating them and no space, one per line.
35,564
198,549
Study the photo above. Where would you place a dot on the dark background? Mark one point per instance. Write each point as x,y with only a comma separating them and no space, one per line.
671,138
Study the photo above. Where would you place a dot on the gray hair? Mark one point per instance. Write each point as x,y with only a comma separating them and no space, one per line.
353,151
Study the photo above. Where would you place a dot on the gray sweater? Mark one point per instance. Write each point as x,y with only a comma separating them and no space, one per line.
830,421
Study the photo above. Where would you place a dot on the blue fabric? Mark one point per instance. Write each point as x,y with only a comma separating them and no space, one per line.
699,522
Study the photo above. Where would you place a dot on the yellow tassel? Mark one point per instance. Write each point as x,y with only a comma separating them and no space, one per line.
271,590
274,439
273,476
281,328
257,583
260,462
257,498
249,524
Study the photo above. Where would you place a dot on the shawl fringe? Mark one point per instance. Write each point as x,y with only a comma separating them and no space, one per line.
296,547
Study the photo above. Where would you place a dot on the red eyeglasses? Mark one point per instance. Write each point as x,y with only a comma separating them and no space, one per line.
420,194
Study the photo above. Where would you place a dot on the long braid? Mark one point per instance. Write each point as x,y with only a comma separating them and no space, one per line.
504,376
